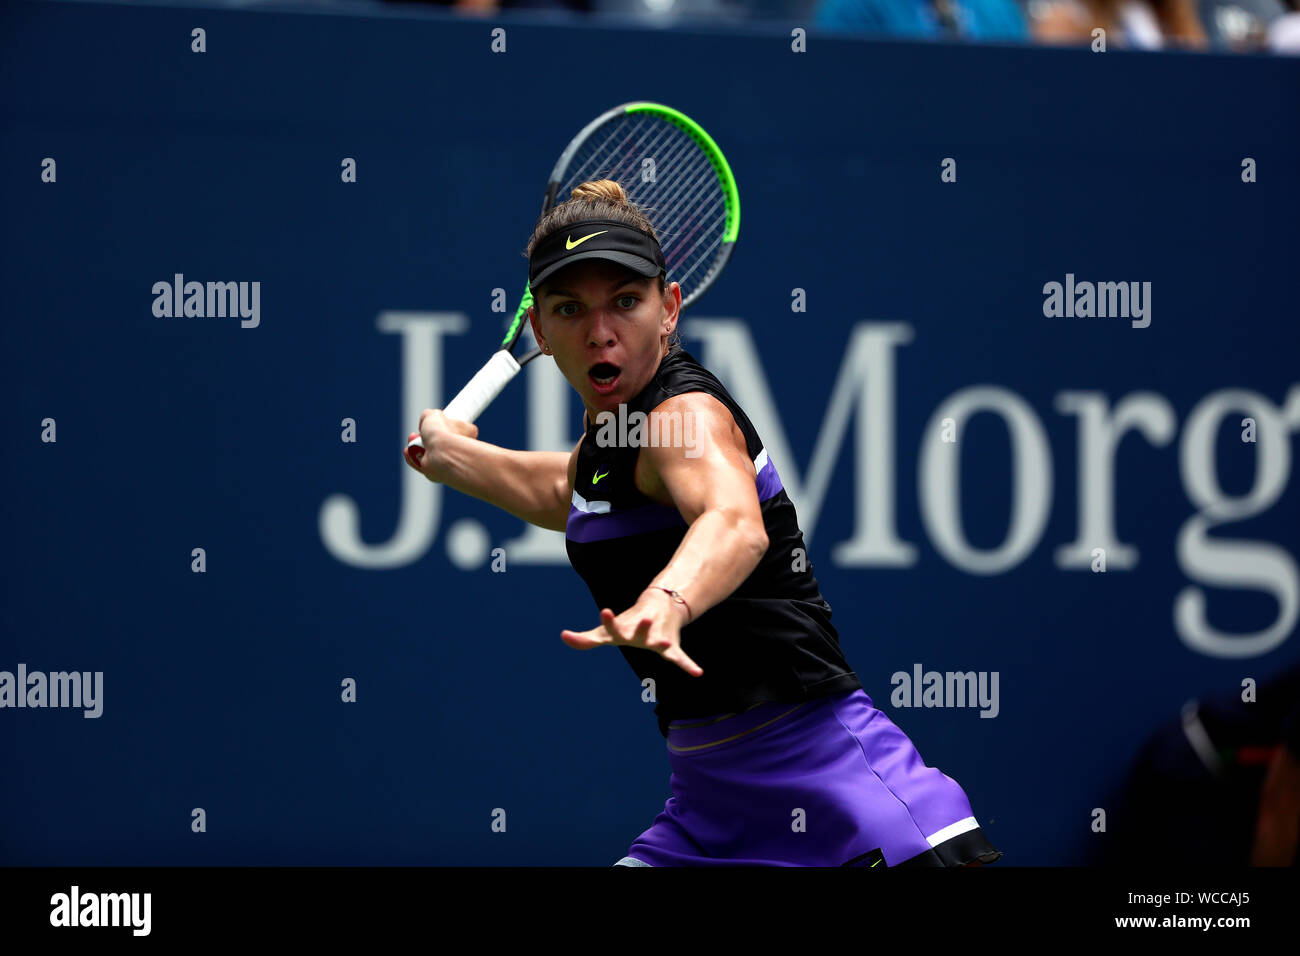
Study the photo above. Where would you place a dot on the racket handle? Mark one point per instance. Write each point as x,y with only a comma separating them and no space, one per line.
485,386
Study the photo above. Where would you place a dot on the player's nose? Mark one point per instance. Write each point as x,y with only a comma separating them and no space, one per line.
600,329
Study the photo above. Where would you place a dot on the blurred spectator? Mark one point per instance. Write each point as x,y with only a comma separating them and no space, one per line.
1240,26
1237,26
1218,786
1180,24
484,7
1133,24
1284,32
660,12
965,19
666,12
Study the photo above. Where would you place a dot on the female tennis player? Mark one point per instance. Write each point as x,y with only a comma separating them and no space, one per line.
690,548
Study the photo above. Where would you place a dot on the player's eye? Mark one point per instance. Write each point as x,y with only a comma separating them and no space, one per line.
564,305
635,299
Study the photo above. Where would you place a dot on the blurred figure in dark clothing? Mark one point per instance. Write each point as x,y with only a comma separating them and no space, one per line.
1218,786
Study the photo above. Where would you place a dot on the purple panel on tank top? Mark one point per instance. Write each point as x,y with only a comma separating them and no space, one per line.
584,526
768,481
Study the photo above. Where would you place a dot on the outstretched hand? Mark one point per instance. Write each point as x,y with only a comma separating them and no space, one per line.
654,623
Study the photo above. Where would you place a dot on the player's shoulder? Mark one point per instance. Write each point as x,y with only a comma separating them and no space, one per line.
687,389
689,420
697,402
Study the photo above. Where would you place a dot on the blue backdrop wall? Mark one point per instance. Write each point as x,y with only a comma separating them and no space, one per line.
328,560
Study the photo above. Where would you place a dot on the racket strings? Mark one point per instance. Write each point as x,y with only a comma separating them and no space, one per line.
624,134
635,144
679,184
687,170
695,234
693,217
690,225
689,205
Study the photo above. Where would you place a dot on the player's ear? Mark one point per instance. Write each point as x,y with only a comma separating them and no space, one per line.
537,332
671,306
672,298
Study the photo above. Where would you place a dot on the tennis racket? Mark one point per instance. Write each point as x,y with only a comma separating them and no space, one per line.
675,173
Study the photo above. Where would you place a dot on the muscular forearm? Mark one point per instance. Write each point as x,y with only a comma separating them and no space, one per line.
532,485
719,551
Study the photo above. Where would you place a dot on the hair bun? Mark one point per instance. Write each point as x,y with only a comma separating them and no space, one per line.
600,189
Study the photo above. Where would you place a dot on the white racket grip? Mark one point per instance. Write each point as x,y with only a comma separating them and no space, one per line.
485,386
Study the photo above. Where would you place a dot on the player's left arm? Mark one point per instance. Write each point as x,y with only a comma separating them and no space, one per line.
712,486
709,477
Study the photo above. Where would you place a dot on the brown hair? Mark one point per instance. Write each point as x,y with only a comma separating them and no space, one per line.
598,199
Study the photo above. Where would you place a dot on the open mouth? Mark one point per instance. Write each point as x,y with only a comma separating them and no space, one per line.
603,376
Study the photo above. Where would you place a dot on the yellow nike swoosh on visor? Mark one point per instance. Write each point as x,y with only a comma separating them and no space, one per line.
569,243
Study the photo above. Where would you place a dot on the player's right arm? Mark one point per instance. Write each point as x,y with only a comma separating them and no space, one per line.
536,486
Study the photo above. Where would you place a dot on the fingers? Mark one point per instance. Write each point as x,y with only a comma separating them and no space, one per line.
609,633
458,426
463,428
451,424
683,660
434,428
584,640
639,635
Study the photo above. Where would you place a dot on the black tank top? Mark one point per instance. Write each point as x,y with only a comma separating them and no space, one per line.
771,640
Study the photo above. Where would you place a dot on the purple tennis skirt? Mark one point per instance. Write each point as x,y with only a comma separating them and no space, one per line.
827,782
